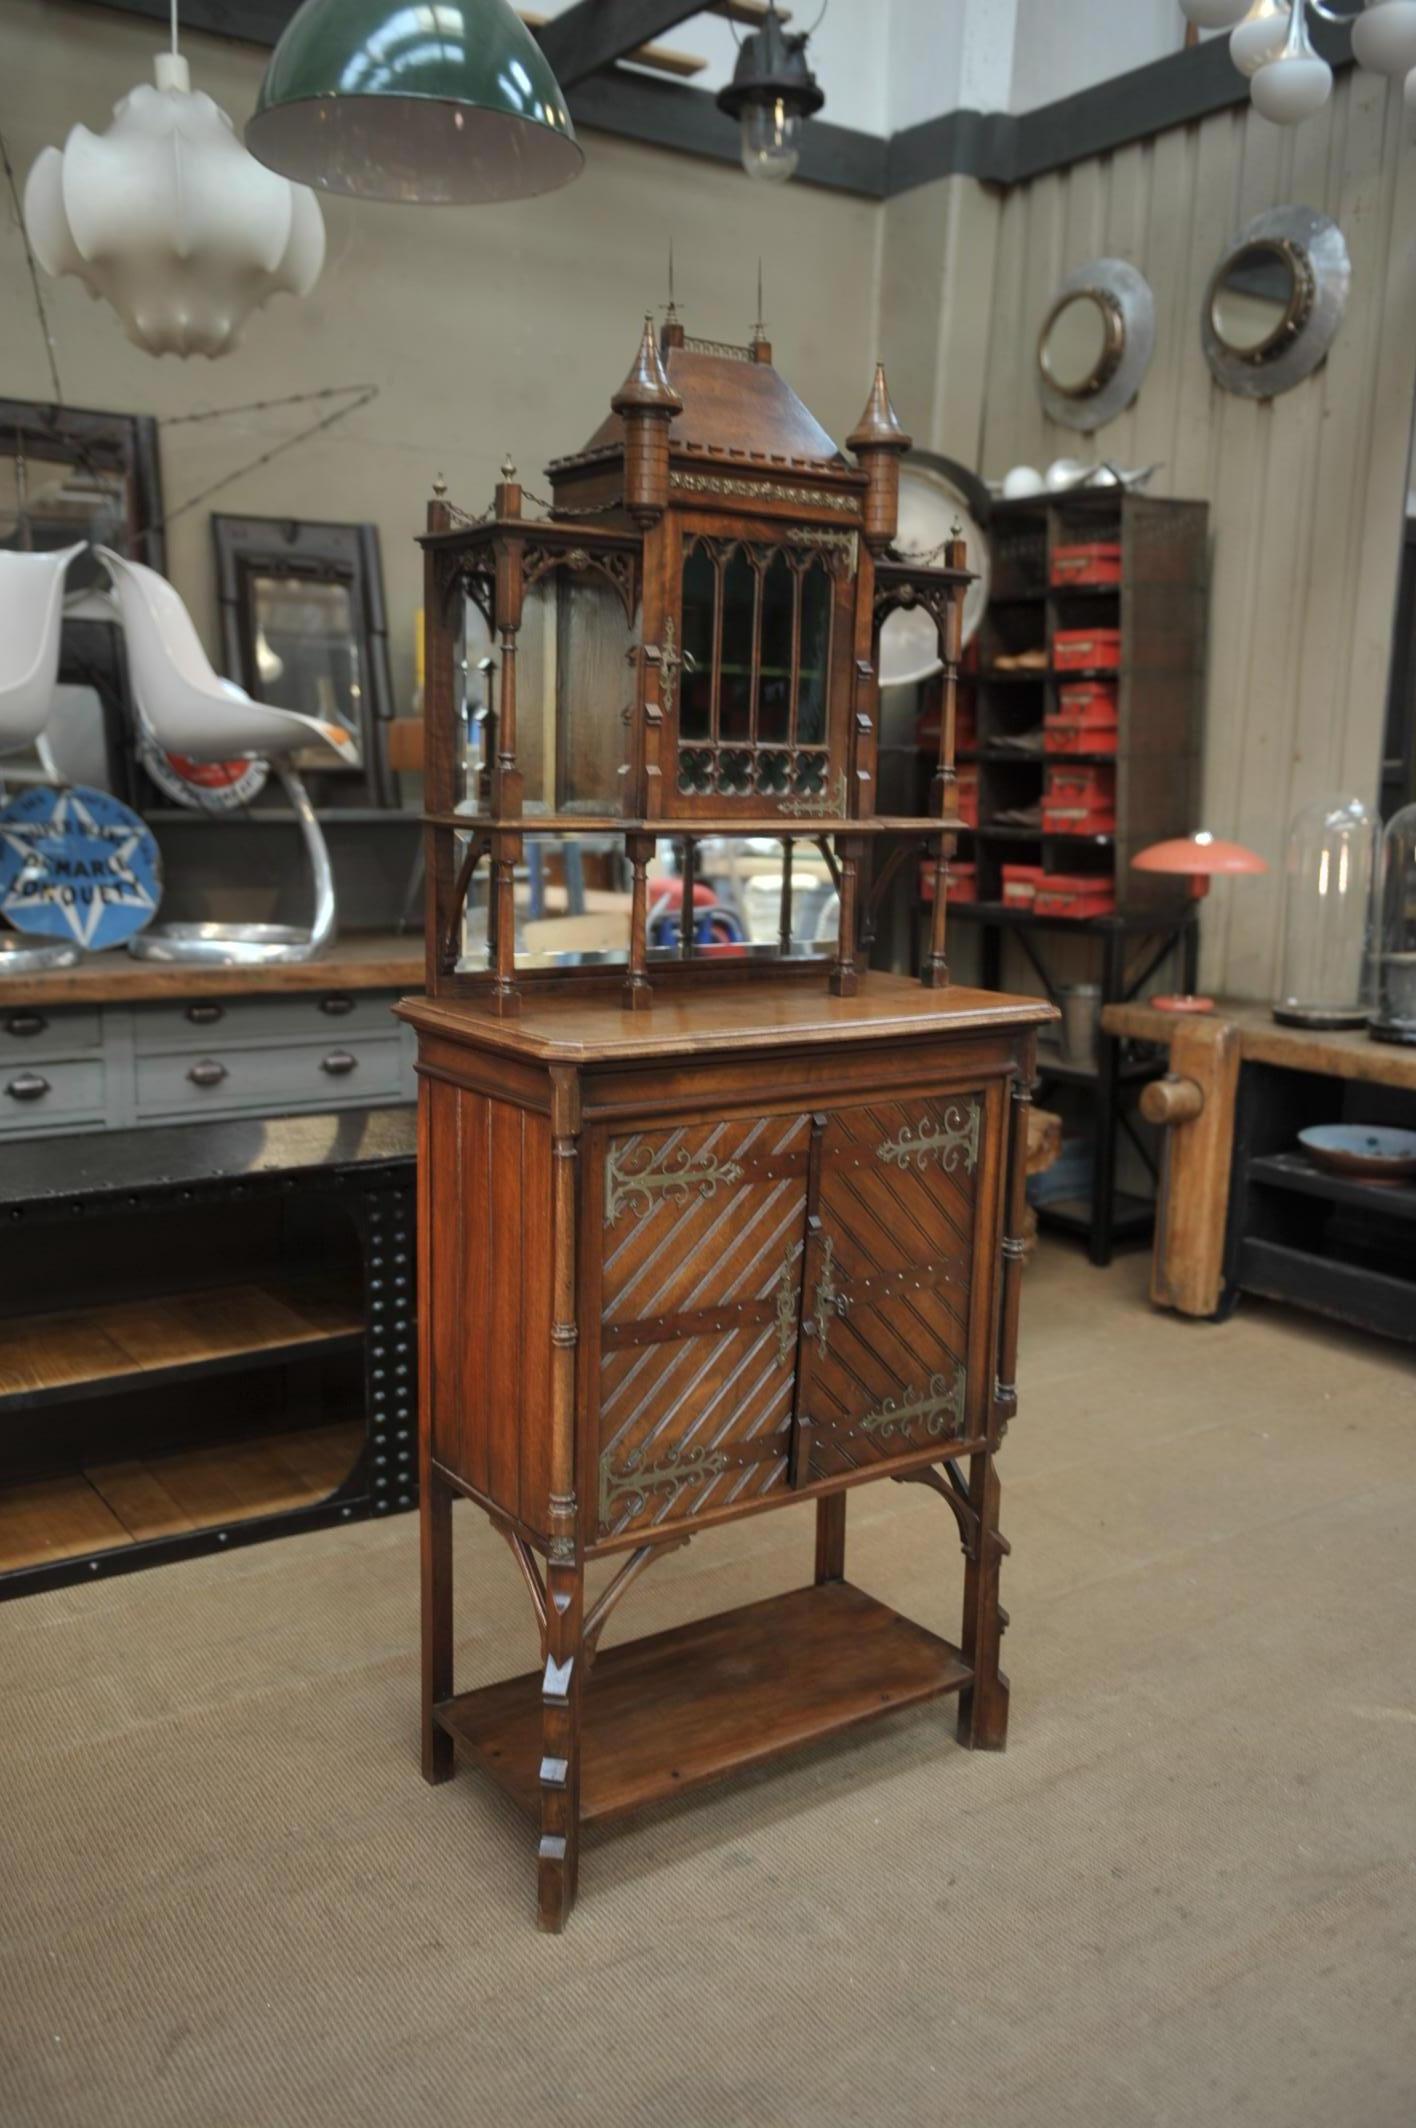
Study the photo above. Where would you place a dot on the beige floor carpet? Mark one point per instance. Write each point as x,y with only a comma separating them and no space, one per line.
1184,1896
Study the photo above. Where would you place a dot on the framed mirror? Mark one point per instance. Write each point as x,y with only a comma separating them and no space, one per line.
303,628
1275,301
1095,344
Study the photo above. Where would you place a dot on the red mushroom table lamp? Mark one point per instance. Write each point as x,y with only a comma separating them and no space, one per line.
1198,858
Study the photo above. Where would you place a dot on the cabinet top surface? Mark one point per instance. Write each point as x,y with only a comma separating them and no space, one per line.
585,1030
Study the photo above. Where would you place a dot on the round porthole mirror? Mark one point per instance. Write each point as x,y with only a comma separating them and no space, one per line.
1275,302
1081,343
1095,344
1260,299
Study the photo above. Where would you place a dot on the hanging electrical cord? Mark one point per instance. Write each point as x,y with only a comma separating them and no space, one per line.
33,265
366,393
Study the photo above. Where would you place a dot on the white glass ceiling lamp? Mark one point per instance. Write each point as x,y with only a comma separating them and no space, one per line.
1384,36
1260,36
1297,83
1213,14
167,217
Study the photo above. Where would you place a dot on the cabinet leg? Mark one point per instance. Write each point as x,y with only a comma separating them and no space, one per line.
561,1687
983,1704
831,1538
435,1515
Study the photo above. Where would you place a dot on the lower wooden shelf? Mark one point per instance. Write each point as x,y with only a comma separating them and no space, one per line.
107,1506
668,1713
49,1358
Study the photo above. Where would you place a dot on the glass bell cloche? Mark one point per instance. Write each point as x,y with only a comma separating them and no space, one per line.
1394,1019
1329,874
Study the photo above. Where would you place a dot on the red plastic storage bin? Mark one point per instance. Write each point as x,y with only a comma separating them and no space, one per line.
963,881
1087,649
1081,718
1020,884
1096,561
1074,894
1079,801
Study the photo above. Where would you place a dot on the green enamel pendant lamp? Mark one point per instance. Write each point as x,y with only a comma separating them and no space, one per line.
435,102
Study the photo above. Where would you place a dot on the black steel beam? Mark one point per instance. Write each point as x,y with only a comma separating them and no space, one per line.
591,36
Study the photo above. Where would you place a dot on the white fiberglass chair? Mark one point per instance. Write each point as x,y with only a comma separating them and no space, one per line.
31,616
188,710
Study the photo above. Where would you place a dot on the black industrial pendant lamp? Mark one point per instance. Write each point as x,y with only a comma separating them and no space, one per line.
772,90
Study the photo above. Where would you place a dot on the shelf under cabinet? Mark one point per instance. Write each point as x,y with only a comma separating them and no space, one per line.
668,1713
1132,1218
114,1506
139,1343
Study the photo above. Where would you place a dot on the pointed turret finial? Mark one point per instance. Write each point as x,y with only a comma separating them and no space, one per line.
761,345
647,388
879,426
508,469
440,487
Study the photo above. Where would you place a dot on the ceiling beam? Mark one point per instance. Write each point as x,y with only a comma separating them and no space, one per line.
593,34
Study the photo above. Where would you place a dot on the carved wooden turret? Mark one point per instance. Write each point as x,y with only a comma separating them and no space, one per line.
879,443
647,403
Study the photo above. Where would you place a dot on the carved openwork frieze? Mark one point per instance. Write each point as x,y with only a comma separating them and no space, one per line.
739,490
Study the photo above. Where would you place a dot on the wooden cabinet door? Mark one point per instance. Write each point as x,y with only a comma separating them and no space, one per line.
889,1301
702,1239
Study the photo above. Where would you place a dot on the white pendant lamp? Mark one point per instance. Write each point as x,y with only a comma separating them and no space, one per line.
1260,37
1297,83
1384,36
1272,46
167,217
1213,14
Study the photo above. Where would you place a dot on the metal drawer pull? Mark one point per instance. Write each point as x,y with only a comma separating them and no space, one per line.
339,1063
337,1005
27,1086
23,1023
207,1073
205,1015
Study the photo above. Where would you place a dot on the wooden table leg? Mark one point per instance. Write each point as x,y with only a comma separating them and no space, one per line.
561,1687
435,1515
983,1705
1187,1266
831,1537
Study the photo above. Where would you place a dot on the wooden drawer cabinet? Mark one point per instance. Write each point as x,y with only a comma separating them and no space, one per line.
38,1095
226,1079
667,1286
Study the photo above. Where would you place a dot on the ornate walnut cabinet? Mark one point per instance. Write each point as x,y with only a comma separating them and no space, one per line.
707,1231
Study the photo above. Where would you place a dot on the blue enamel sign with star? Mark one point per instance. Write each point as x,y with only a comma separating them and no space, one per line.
78,866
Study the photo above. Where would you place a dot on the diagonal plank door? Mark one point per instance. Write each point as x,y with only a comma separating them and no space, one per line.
701,1270
885,1336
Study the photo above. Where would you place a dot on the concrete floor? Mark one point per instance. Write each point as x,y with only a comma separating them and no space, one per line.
1184,1896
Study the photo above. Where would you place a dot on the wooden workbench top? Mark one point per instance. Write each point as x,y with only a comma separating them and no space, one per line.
1340,1054
372,960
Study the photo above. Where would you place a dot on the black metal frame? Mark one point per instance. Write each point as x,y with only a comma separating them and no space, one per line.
309,551
123,443
379,1195
1114,1073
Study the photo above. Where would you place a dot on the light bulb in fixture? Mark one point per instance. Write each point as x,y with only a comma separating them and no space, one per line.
772,90
771,141
1260,36
1295,84
1213,14
1384,36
